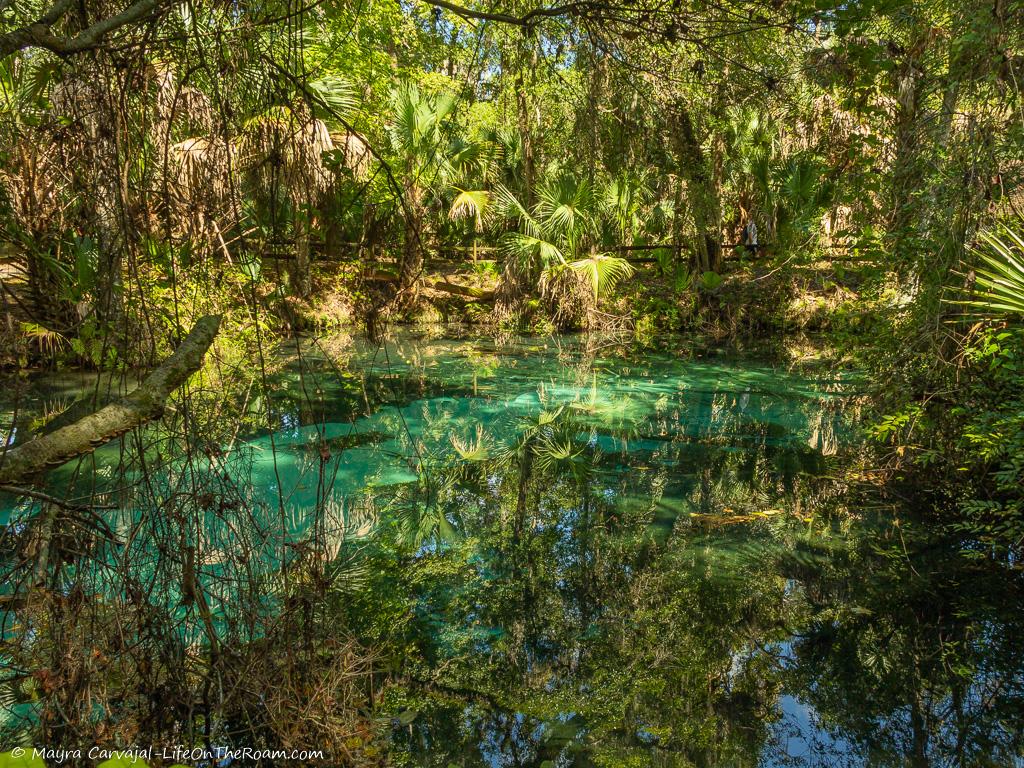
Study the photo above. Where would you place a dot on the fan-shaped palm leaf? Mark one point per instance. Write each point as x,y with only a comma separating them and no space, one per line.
468,158
470,203
602,271
1002,283
417,129
623,199
558,451
564,207
24,88
335,94
507,204
531,253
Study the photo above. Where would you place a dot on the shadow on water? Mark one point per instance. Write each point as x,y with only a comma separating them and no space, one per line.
586,556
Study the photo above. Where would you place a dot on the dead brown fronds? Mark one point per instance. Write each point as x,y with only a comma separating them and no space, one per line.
568,295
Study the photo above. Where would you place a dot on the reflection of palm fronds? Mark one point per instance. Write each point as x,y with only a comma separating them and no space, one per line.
561,451
474,451
348,573
419,522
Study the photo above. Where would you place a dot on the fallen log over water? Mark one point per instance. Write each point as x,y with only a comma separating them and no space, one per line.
144,404
462,290
441,284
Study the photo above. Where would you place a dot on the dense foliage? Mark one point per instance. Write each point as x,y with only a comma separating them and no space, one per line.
745,171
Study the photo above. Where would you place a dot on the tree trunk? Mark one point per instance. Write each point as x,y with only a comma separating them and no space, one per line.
525,60
701,193
907,161
301,278
411,268
144,404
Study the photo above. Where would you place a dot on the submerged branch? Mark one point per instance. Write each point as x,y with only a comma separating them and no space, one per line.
144,404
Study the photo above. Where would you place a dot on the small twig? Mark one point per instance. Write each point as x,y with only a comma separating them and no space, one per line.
63,504
769,274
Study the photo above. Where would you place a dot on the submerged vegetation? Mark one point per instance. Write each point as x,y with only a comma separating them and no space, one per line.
521,384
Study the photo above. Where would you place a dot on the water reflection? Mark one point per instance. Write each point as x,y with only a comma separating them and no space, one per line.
580,556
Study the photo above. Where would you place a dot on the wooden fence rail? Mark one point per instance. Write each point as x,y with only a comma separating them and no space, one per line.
281,250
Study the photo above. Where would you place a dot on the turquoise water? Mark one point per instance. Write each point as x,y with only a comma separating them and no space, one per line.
583,554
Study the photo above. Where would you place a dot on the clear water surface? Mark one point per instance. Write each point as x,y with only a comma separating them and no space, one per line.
594,554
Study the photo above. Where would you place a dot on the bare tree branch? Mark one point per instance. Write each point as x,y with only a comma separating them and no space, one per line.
520,21
39,35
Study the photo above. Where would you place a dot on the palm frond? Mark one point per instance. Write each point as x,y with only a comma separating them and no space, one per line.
336,95
470,203
603,271
531,253
1002,283
25,85
47,340
417,131
558,451
507,204
564,208
622,199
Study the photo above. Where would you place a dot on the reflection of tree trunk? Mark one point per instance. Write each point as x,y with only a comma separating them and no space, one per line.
525,472
707,496
962,722
589,591
919,729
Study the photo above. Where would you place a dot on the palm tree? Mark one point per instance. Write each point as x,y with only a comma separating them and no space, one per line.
788,192
30,182
283,152
560,236
470,204
418,137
